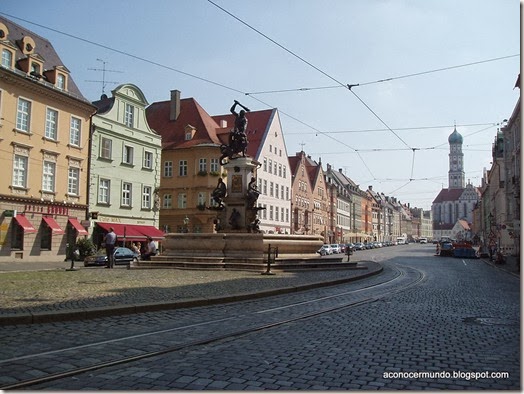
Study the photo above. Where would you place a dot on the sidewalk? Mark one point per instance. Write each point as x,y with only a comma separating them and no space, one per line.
45,292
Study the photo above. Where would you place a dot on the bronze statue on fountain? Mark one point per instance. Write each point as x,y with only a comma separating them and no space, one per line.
237,137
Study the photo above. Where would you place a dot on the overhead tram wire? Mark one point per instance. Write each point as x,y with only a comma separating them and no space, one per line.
348,86
385,79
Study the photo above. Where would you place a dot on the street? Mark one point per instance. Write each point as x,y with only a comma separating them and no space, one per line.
425,322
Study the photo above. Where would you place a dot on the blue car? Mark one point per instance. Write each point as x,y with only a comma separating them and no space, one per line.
123,256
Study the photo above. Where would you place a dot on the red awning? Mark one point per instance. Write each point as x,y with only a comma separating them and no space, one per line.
25,224
133,232
78,227
55,228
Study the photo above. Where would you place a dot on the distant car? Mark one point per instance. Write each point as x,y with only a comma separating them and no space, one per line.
423,240
336,248
325,250
359,246
123,256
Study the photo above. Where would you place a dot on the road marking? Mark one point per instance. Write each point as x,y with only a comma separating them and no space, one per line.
464,263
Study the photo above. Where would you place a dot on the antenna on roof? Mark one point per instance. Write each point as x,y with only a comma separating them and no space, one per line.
302,146
104,70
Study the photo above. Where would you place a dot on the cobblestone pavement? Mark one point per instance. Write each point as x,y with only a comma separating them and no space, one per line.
458,329
41,292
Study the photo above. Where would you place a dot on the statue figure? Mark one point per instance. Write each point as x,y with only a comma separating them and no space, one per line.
254,226
234,219
237,136
252,193
219,193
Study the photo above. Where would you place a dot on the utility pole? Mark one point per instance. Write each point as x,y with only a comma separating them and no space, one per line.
104,70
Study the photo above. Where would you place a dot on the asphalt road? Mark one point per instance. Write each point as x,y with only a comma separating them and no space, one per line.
425,322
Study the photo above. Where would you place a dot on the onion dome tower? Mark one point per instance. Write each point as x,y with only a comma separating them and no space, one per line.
456,175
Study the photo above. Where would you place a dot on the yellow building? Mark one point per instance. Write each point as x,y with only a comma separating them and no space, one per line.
44,140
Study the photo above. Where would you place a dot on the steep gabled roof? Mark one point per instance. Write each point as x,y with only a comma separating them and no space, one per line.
173,132
448,195
258,123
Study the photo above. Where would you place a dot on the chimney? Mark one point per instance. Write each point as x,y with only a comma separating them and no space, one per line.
174,107
370,187
223,123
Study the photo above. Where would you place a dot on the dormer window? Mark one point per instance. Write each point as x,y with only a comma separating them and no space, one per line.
35,70
129,116
189,132
61,81
7,58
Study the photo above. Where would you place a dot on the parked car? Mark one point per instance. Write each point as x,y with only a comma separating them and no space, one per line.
325,250
423,240
336,248
123,256
359,246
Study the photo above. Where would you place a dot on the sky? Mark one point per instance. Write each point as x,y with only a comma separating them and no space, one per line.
420,69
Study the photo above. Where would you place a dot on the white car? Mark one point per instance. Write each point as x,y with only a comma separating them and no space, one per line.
325,250
336,248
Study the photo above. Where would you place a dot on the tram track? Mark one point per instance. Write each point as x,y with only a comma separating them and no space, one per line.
403,279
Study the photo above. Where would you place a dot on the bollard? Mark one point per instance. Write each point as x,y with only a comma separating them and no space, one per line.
272,254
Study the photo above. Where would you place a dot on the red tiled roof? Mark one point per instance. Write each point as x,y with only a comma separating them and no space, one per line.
448,195
257,127
173,132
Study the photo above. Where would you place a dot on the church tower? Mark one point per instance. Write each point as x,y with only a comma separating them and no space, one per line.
456,175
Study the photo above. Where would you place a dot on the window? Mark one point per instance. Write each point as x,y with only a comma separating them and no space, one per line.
201,198
282,192
276,214
51,124
126,194
106,148
129,115
20,171
280,170
74,132
128,154
214,165
73,177
23,115
167,201
270,166
270,189
264,190
48,177
265,164
271,212
182,200
202,165
182,168
146,197
168,168
35,69
7,58
60,81
103,191
284,171
148,160
281,214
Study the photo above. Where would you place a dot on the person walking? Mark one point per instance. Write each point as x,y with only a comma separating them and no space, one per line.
110,241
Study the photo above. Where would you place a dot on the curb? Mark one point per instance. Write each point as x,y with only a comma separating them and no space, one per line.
119,310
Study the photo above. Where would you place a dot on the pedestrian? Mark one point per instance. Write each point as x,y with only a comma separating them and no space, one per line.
151,249
110,241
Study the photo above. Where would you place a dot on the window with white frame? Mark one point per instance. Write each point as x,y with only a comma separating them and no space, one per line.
20,171
202,165
213,166
182,168
265,165
270,166
129,116
48,176
168,169
201,199
106,146
7,58
103,191
271,189
74,131
264,190
167,201
23,115
282,192
281,214
271,212
284,171
128,154
146,197
280,170
126,194
148,160
73,178
51,124
276,214
182,200
60,81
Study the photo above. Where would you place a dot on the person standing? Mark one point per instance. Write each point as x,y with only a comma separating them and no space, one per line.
110,241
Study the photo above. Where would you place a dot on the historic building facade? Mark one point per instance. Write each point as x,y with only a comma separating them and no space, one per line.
44,139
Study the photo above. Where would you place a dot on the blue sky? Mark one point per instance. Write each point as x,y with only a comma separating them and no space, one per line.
388,134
